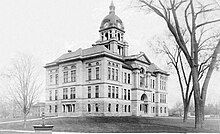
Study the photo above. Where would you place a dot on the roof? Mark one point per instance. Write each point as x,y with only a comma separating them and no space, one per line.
155,69
83,53
39,104
111,19
152,68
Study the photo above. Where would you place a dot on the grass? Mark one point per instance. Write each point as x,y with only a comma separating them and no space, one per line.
120,125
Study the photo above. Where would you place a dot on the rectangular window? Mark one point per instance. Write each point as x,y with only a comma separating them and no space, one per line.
97,91
153,98
129,95
64,108
51,78
129,108
89,74
116,108
164,85
74,108
73,75
122,94
125,94
89,91
72,93
56,94
56,79
69,107
140,107
109,107
141,81
125,108
109,73
55,109
146,82
97,72
116,92
161,88
165,110
153,109
50,98
113,73
161,109
50,108
125,78
153,84
65,77
89,108
116,75
65,93
129,79
113,92
109,91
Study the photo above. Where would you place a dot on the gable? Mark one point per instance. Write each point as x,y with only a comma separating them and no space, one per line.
143,58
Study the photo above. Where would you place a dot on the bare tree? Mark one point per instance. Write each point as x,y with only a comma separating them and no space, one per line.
177,61
23,83
203,46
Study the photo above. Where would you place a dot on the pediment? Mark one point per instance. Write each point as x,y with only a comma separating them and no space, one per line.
143,58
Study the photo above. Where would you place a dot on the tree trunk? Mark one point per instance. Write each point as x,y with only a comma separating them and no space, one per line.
197,100
25,120
186,110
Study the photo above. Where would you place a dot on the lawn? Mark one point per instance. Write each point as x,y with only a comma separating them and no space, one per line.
120,125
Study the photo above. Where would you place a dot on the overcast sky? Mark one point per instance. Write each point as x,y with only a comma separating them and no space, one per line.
48,28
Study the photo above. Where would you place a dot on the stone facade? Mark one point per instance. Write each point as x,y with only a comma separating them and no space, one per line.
104,80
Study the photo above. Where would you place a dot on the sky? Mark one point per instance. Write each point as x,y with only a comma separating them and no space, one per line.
46,29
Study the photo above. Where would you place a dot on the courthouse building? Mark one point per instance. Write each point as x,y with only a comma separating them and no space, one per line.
104,80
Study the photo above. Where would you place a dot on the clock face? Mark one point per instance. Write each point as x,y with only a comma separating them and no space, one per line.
106,25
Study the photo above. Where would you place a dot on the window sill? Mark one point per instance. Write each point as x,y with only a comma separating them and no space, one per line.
92,80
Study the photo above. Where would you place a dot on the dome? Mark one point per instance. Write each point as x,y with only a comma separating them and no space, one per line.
111,20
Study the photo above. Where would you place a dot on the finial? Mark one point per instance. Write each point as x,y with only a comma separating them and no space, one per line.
112,8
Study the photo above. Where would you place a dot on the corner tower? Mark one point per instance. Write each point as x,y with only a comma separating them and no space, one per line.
112,33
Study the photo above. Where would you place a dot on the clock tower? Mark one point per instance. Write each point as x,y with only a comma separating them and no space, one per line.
112,33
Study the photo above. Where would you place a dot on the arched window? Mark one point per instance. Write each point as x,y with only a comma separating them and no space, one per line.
96,107
144,97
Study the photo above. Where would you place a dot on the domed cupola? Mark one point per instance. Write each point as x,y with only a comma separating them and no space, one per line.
111,20
112,33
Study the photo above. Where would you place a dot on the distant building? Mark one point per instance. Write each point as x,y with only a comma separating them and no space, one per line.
37,109
104,80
